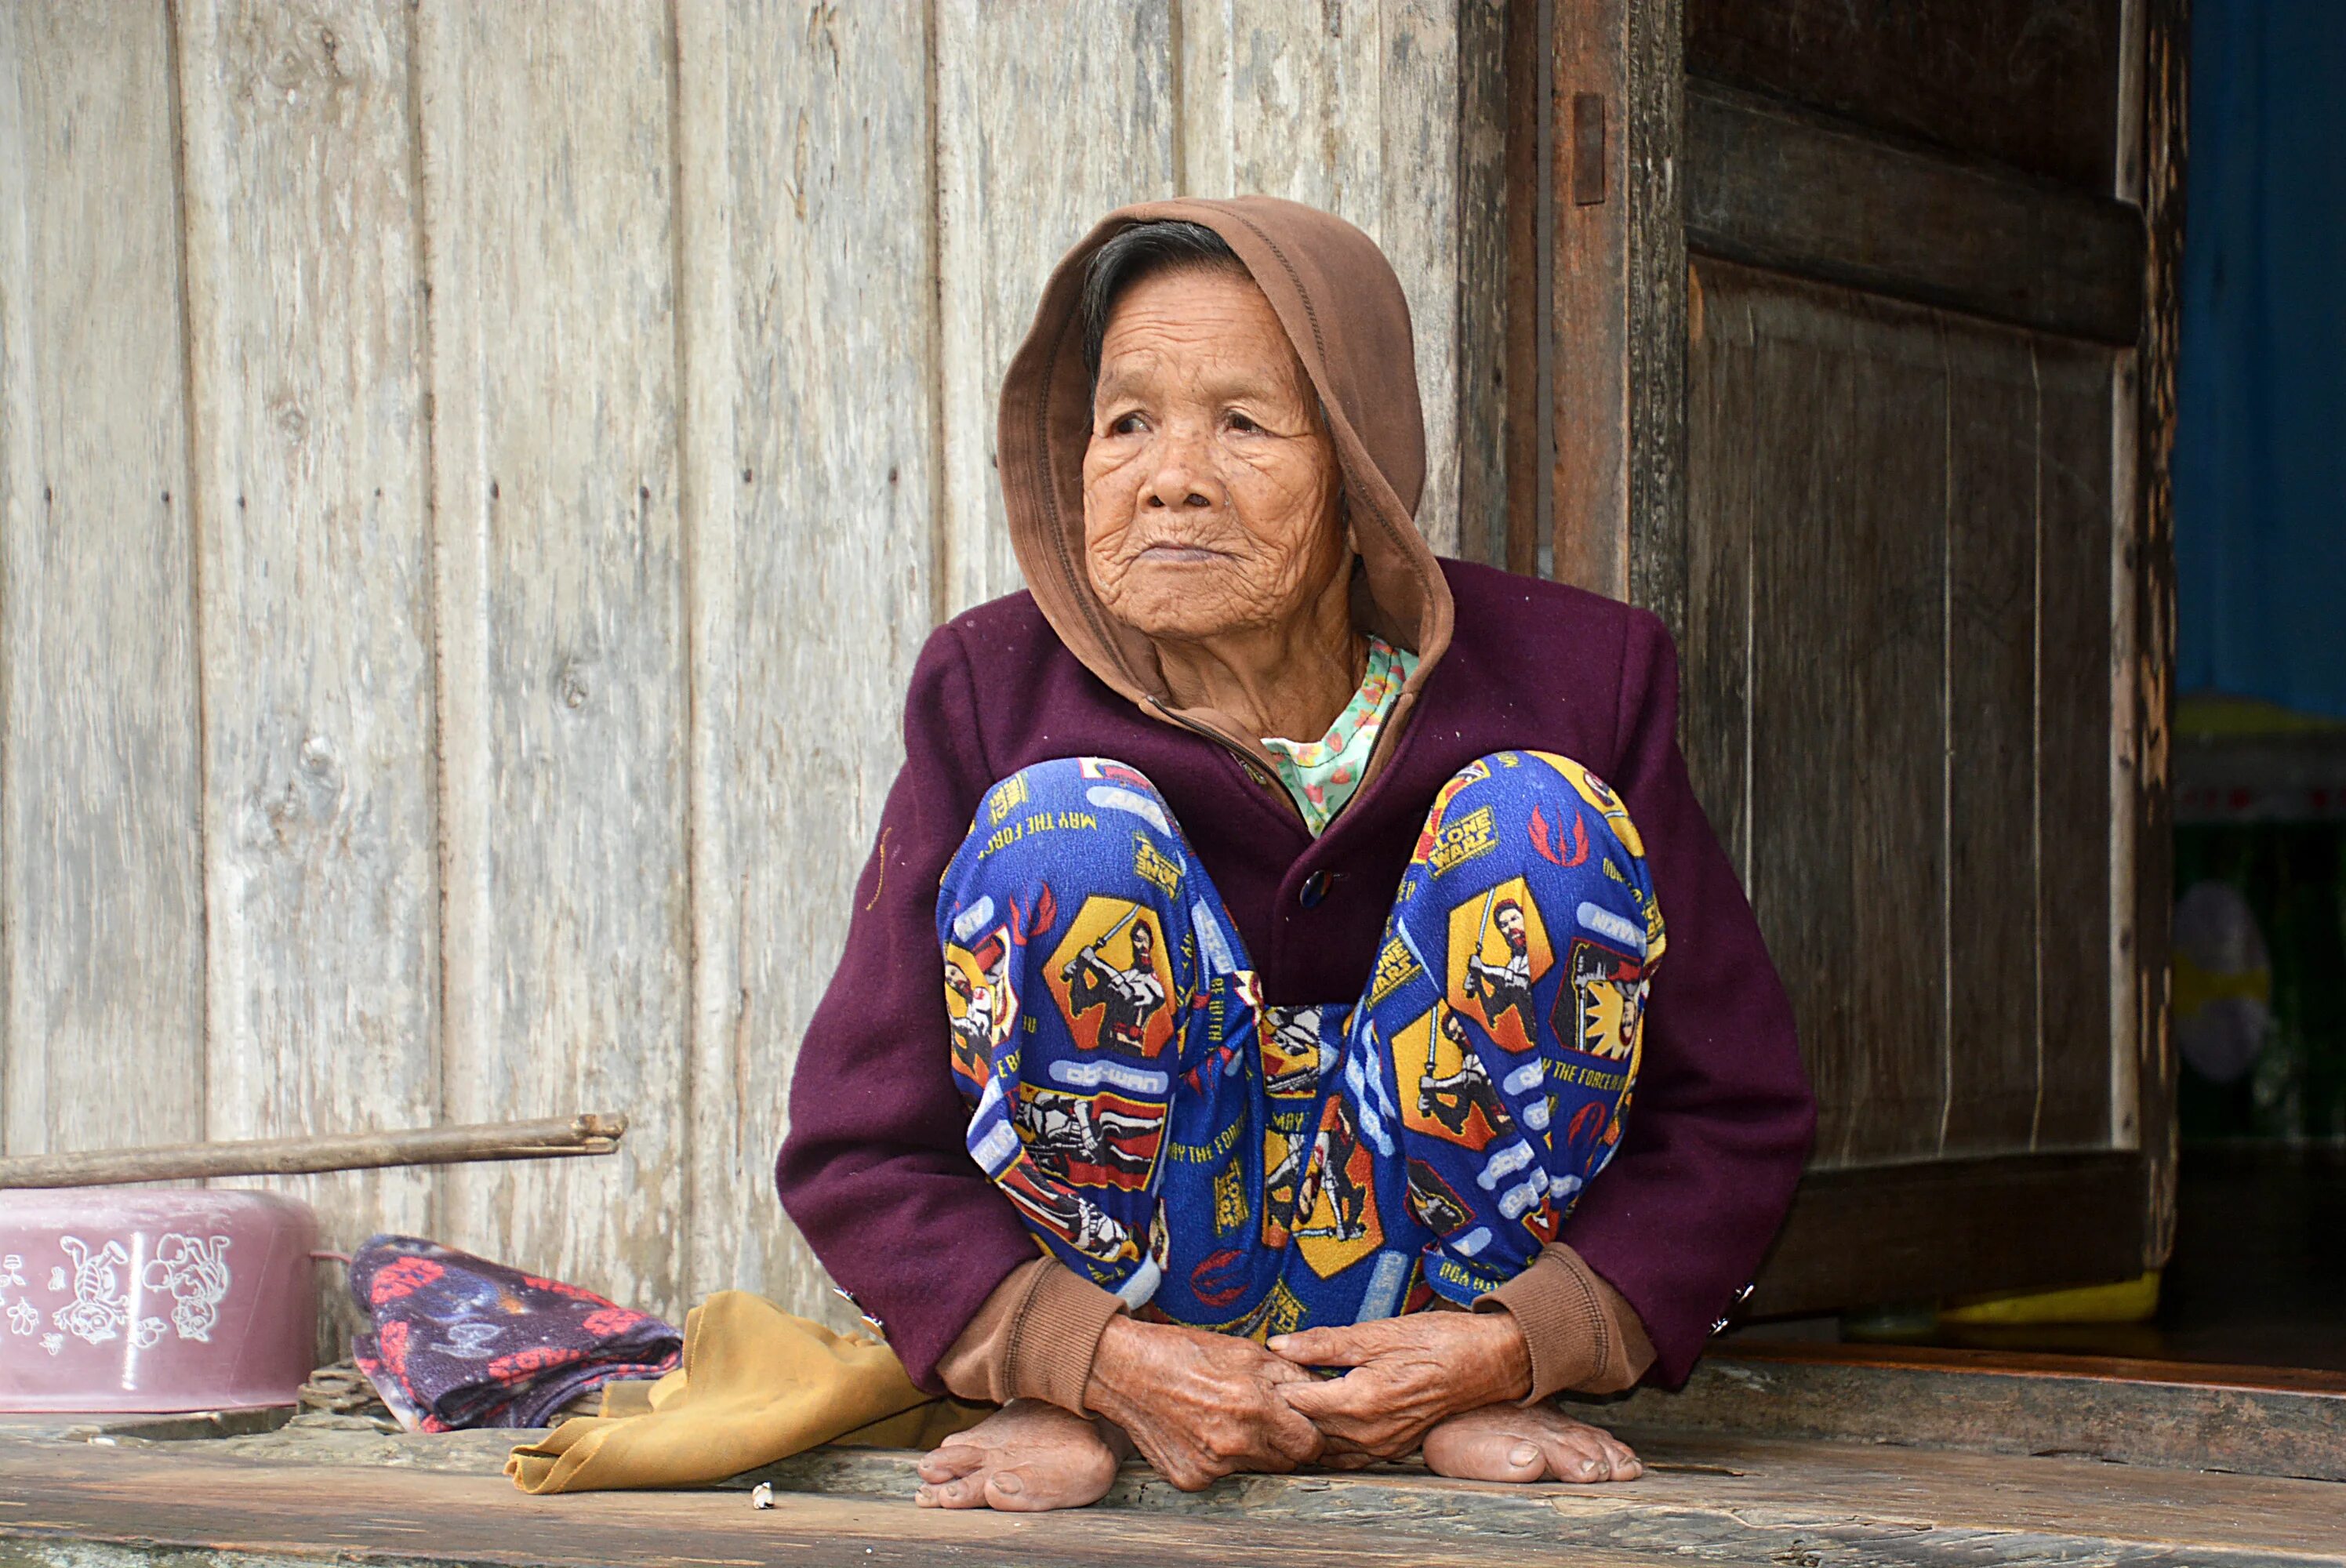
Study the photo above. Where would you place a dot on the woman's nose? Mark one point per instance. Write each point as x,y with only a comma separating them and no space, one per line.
1179,482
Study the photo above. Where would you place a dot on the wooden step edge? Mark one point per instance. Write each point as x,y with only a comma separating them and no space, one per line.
2311,1382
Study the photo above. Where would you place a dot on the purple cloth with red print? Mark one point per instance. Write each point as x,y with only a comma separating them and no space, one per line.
459,1341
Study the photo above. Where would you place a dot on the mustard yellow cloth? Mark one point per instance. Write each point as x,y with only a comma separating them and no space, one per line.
756,1385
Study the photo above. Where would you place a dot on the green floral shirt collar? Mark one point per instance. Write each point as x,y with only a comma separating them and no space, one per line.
1322,774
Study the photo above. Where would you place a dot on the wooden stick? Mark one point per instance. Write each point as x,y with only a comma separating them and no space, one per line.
551,1139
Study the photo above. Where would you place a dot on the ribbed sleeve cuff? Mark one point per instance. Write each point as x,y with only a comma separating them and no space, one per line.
1056,1336
1581,1334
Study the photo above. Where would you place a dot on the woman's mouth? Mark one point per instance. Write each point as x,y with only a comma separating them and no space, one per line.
1179,554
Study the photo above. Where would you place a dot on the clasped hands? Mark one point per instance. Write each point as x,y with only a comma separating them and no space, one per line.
1200,1405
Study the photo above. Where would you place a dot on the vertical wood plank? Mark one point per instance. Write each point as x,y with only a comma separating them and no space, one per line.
456,414
1843,403
1588,259
1424,224
1530,222
1204,147
1484,328
832,339
718,1213
1655,329
2143,867
1802,867
2130,501
2075,506
101,914
1997,980
1306,91
1617,300
548,170
1722,520
1891,450
1355,109
305,332
1049,116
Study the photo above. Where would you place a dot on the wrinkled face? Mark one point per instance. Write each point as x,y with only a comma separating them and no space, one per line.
1211,485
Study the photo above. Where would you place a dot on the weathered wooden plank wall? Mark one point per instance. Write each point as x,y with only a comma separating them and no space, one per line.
473,482
101,865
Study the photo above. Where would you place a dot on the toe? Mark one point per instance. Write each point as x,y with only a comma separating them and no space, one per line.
1483,1452
1072,1476
949,1460
1578,1457
1516,1459
1012,1492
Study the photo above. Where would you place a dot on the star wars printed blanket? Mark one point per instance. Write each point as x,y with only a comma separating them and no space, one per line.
459,1341
1258,1169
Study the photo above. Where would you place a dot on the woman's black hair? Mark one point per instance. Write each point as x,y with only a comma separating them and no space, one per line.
1135,253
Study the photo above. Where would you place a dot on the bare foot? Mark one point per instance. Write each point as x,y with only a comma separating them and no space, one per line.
1519,1442
1026,1457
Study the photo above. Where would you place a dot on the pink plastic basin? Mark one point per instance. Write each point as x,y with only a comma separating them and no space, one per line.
119,1298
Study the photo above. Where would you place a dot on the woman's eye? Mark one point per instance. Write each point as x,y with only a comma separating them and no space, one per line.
1125,424
1241,423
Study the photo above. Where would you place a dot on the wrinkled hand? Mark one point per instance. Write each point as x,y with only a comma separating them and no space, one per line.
1199,1406
1407,1373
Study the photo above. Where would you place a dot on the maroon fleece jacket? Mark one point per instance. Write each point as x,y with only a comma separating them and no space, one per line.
874,1171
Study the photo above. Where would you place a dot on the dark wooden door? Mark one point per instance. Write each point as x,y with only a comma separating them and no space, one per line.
1851,338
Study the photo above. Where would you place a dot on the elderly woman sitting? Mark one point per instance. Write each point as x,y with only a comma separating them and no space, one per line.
1302,902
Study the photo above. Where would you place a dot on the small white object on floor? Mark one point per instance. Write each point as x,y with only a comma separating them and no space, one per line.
763,1495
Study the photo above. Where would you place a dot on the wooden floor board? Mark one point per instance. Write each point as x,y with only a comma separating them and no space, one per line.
293,1497
152,1506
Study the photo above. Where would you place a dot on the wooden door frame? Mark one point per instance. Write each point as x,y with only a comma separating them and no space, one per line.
1599,237
2155,108
1598,244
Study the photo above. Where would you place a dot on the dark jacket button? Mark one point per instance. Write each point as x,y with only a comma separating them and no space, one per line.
1315,887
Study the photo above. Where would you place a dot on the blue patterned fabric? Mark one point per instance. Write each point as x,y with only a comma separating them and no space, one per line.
1256,1169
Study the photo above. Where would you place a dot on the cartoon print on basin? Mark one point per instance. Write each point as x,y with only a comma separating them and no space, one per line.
193,1271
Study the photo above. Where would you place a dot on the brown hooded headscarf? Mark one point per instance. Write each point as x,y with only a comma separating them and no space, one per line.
1345,314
